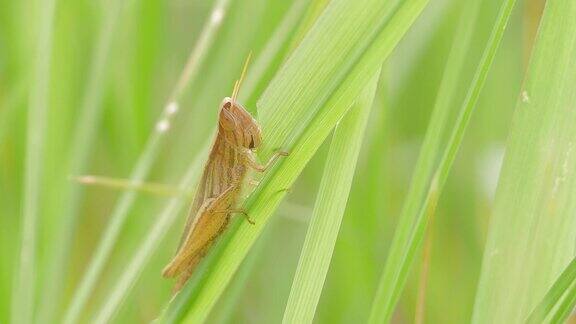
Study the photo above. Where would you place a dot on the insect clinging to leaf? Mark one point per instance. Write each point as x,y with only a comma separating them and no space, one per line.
217,196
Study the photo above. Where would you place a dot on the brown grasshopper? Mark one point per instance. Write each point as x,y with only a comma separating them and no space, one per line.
231,156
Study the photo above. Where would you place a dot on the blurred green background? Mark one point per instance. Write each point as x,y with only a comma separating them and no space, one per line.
121,61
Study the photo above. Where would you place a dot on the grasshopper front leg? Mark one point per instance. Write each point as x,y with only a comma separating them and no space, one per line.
253,163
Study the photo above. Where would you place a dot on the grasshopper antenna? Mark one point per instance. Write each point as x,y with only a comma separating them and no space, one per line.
239,81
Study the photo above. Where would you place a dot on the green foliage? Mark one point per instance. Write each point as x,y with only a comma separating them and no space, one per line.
130,89
328,210
429,179
531,233
559,300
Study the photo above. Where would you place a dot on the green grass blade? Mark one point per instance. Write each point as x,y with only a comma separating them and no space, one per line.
24,289
273,49
566,307
144,164
322,38
148,246
82,146
302,105
328,211
9,108
556,296
167,216
116,67
532,230
230,302
177,308
411,228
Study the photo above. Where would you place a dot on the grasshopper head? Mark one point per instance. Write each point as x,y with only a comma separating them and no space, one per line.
238,125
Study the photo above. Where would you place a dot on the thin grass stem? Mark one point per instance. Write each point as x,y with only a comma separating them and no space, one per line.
145,162
24,290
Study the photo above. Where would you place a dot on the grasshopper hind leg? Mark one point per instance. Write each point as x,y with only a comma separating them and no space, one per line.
200,236
185,275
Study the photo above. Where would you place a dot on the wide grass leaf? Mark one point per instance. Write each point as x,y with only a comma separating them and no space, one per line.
328,211
429,180
309,95
531,234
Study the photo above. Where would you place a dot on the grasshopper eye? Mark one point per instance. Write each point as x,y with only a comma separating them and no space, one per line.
255,139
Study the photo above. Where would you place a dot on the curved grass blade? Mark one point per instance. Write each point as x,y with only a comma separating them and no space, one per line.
531,233
328,210
275,51
144,164
302,105
418,209
566,307
560,296
271,52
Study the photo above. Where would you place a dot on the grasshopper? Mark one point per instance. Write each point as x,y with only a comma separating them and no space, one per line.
231,156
